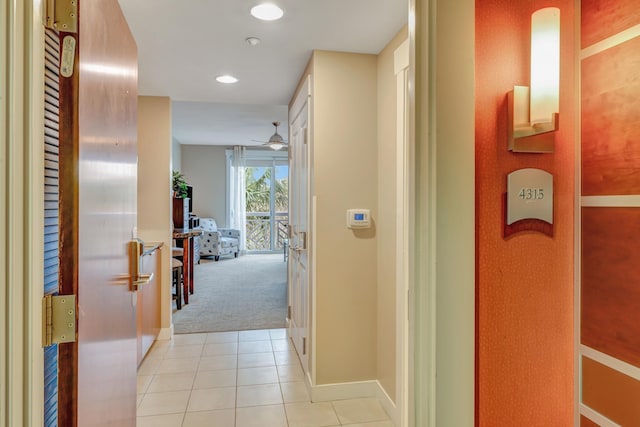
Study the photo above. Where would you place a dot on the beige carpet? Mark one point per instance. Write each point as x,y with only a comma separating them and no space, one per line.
235,294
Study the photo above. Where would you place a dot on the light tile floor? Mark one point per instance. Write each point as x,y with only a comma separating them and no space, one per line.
238,379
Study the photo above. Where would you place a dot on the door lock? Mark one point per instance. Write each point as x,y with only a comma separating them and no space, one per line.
137,279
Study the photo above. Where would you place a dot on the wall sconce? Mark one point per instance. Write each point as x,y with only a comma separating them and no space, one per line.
535,111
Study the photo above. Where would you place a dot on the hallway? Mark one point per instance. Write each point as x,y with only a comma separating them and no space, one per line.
238,379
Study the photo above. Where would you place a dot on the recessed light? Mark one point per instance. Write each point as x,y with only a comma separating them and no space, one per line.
267,12
252,41
226,79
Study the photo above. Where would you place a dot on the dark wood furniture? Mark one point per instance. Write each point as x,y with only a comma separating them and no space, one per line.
176,268
180,213
184,239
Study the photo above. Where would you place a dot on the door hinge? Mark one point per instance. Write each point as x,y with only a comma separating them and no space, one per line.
306,136
289,312
62,15
304,345
58,319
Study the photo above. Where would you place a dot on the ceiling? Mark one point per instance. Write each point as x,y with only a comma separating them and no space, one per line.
184,45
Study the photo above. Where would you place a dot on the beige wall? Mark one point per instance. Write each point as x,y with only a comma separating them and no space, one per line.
386,221
154,186
345,158
205,167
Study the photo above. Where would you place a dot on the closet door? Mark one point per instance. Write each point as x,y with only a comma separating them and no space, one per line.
299,217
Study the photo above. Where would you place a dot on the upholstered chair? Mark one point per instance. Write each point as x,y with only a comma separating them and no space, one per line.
216,242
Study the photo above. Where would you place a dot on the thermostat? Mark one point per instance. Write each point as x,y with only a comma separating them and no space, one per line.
358,218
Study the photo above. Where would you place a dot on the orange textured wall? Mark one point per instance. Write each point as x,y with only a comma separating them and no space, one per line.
524,283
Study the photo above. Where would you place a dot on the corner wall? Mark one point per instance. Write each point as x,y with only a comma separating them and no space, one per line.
154,188
524,283
344,176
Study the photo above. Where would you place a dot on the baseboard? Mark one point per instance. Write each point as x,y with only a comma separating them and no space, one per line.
165,334
389,405
354,390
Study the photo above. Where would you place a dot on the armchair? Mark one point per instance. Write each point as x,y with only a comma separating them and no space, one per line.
216,242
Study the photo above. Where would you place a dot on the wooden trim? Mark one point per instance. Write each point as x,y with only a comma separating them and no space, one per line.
68,187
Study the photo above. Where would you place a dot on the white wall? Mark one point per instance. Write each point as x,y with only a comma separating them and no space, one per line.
176,155
204,167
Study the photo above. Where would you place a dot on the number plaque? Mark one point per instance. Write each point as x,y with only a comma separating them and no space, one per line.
529,195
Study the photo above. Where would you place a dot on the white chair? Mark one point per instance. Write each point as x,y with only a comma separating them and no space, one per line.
216,242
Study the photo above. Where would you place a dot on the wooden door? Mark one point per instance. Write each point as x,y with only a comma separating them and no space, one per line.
300,237
98,211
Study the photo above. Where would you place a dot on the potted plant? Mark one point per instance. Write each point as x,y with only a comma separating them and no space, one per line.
180,201
179,185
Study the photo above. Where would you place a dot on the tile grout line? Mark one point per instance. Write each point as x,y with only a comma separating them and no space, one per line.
284,407
186,408
235,410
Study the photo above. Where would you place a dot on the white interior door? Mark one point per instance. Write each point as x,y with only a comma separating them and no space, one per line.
299,239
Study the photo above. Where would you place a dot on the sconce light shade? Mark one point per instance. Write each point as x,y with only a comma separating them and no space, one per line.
545,64
534,111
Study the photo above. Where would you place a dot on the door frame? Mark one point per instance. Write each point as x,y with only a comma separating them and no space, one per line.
442,254
404,199
21,221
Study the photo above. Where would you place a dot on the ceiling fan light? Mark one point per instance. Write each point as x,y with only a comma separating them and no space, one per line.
276,139
267,12
276,142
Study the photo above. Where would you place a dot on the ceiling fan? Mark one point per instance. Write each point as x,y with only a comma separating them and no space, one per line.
275,142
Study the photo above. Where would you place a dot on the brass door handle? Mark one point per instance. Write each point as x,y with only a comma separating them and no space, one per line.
143,279
136,278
